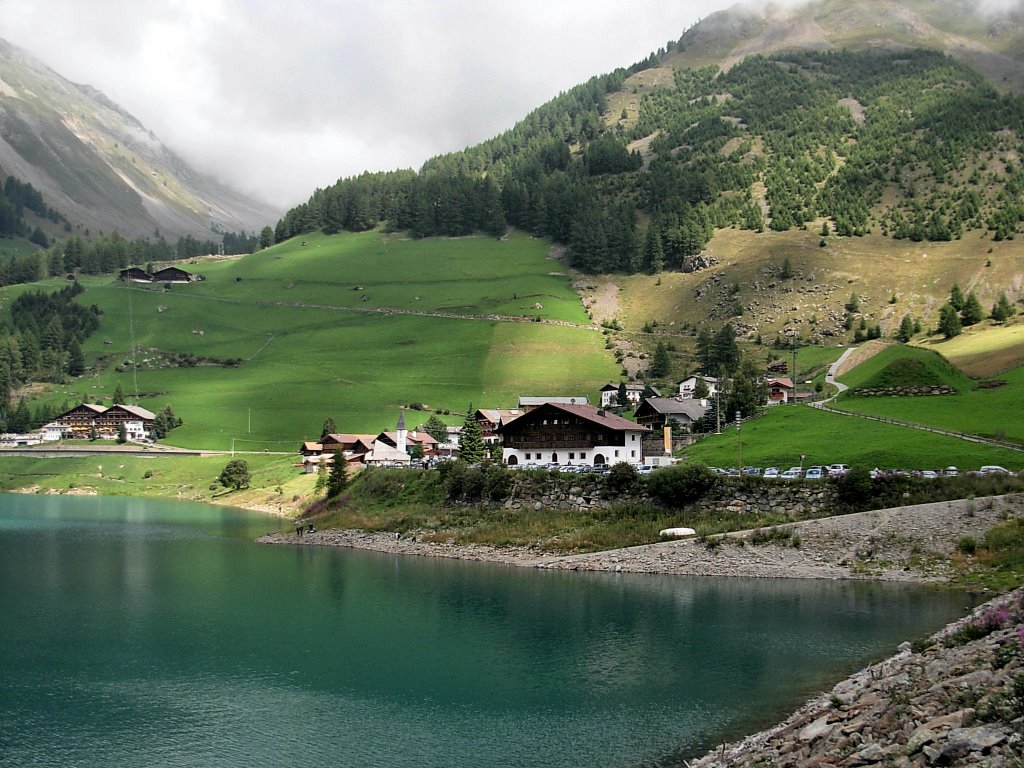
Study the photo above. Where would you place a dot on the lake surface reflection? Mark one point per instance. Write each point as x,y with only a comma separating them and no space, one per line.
139,632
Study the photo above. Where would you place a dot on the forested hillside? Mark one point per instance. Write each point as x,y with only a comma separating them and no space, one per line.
907,144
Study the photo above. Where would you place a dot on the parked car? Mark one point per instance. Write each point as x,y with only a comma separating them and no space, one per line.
799,471
951,472
751,470
993,469
816,473
771,472
929,474
838,470
790,474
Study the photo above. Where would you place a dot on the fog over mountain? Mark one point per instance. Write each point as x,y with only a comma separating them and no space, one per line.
278,100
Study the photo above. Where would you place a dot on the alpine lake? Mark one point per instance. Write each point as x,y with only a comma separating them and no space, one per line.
155,633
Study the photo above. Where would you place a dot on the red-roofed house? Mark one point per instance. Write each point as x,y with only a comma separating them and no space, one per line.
780,390
571,434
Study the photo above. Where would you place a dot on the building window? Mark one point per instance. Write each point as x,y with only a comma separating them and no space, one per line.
571,455
632,454
583,455
616,453
633,438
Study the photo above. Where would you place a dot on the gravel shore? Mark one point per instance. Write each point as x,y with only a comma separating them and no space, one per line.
912,544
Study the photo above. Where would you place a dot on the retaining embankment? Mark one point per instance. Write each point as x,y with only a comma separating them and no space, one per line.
756,496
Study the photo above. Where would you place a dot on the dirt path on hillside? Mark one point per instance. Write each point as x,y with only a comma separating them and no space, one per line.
865,351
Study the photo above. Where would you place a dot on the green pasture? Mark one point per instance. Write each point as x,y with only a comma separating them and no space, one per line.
780,436
995,413
369,270
166,476
867,373
309,351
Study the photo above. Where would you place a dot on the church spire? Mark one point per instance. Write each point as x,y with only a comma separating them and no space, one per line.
401,431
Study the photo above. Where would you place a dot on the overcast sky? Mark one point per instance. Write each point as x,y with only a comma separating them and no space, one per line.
278,98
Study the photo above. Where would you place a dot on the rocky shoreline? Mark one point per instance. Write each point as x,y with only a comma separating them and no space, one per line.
957,700
909,544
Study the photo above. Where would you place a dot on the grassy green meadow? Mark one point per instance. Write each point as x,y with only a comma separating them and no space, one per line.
780,436
276,485
935,367
311,347
994,413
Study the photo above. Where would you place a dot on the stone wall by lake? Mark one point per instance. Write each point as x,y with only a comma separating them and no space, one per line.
754,495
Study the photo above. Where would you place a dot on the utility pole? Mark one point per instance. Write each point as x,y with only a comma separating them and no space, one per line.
794,369
718,409
739,438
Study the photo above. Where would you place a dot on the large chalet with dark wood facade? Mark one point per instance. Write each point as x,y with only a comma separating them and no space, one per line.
559,433
88,420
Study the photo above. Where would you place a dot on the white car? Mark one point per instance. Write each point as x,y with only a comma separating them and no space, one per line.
790,474
993,469
838,470
815,473
771,472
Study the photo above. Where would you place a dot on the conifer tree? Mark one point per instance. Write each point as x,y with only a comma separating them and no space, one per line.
1002,310
436,428
949,321
971,312
76,360
329,428
118,394
906,330
956,297
621,397
337,480
660,361
471,441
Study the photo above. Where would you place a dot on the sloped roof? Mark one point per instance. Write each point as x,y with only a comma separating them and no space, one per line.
671,406
566,400
384,452
135,410
500,415
781,381
590,413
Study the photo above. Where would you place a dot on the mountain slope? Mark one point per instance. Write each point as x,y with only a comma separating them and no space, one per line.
991,43
99,166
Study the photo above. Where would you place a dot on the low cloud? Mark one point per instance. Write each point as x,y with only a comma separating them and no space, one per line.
280,99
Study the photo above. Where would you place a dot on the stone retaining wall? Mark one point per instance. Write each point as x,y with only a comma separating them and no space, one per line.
753,495
937,389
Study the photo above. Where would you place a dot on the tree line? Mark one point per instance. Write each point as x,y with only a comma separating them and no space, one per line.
919,125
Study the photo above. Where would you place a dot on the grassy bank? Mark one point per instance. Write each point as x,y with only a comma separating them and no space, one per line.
276,485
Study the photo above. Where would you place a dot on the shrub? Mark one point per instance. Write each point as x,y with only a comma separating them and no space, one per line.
855,488
967,545
235,474
622,478
681,484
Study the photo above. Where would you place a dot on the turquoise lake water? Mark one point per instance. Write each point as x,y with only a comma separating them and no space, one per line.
147,633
